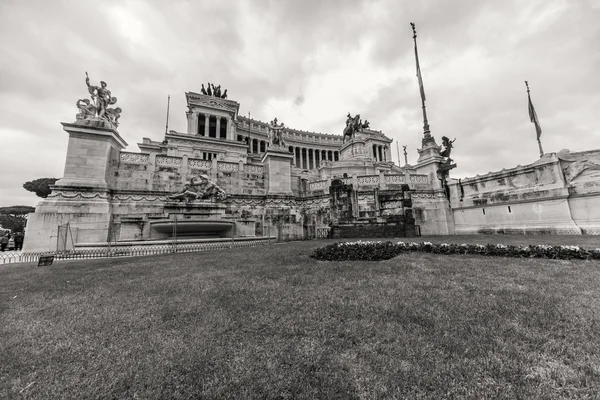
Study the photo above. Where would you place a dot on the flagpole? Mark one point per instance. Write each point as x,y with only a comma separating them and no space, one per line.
426,131
534,119
167,123
398,151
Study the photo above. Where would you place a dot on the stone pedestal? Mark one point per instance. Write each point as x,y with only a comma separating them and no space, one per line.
278,170
354,149
81,197
91,152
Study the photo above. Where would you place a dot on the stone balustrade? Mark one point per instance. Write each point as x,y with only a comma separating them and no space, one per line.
168,161
368,182
134,158
318,185
199,164
227,166
395,179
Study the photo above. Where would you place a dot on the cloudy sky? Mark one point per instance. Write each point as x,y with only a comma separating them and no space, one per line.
308,63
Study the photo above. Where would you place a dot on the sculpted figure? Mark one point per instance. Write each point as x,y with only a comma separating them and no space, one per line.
276,134
218,91
208,90
365,125
573,167
113,115
224,96
202,189
209,189
447,143
203,91
352,126
98,108
101,95
86,109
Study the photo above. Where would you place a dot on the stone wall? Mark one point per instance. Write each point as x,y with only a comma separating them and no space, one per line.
550,196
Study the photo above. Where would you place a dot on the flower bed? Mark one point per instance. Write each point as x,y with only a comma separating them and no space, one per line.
369,251
374,251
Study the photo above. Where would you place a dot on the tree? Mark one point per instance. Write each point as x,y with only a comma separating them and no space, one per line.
41,186
15,217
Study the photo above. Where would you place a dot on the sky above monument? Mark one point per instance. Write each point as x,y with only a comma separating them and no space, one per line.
308,63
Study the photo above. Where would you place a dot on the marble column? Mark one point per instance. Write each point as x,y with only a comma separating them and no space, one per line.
218,133
189,116
206,120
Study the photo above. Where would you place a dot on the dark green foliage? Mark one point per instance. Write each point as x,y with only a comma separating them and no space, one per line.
14,217
366,251
40,186
374,251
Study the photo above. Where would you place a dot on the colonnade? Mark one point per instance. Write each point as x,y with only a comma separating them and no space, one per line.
213,126
308,158
304,157
379,152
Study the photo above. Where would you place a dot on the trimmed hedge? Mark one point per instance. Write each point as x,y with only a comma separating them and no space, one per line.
375,251
346,251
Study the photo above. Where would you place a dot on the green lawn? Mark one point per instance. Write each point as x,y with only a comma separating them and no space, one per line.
269,322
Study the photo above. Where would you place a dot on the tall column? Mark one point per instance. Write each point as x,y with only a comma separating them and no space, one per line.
189,116
230,129
206,120
195,122
218,133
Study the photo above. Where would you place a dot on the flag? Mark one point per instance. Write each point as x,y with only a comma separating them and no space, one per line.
533,117
419,77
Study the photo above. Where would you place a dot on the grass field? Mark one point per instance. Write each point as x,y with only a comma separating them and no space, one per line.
269,322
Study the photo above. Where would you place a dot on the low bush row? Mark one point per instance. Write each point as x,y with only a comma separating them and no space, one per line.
374,251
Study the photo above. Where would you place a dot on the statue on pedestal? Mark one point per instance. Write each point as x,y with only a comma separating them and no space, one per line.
212,90
276,134
447,143
352,126
205,189
98,109
86,109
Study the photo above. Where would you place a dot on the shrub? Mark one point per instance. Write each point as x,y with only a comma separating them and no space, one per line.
374,251
367,251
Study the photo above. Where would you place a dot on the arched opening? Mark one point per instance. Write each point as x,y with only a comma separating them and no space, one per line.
254,148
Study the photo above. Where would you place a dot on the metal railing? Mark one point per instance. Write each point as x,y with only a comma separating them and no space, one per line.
130,251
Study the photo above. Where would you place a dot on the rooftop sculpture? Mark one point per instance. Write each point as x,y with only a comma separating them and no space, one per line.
353,125
213,90
98,108
276,134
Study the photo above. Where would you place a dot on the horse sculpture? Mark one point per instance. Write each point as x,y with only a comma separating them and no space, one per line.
352,126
